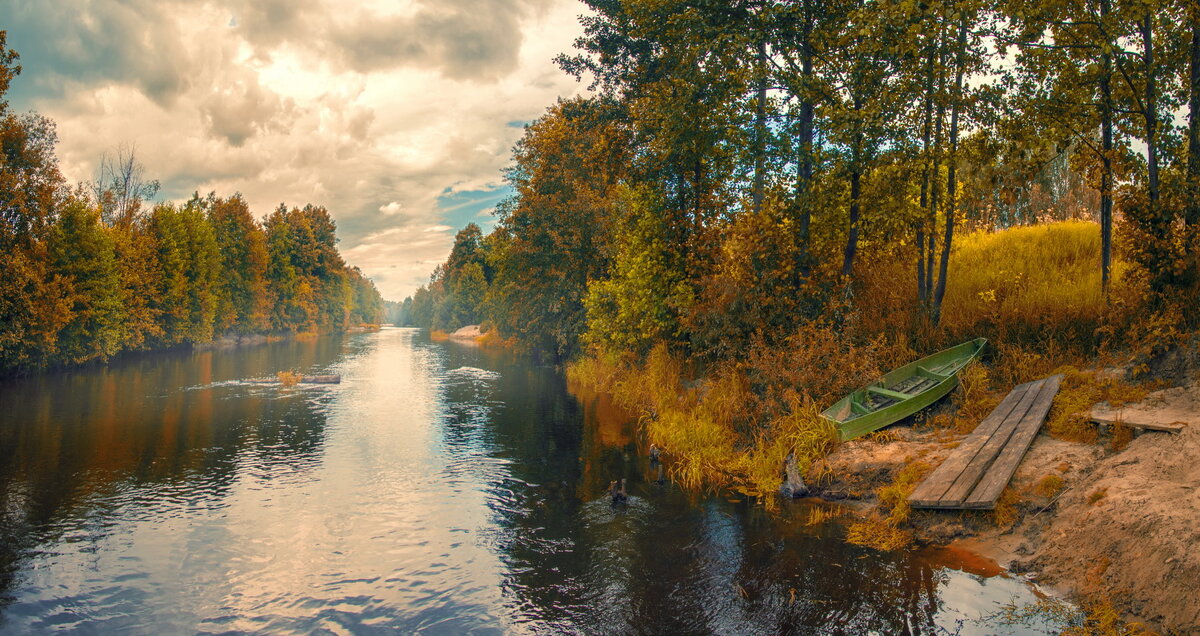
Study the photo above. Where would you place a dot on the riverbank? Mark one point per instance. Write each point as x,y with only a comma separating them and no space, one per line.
1109,523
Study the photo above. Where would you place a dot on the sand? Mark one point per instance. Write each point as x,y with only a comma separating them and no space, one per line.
1125,526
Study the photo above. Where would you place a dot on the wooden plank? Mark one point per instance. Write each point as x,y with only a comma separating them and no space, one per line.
987,492
896,395
1109,418
929,492
982,461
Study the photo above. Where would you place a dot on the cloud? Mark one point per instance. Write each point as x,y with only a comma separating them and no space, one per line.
384,114
463,39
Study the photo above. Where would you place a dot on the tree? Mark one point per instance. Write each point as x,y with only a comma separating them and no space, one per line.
83,251
555,233
242,302
121,187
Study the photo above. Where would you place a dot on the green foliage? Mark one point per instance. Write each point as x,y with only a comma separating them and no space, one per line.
241,280
642,300
84,253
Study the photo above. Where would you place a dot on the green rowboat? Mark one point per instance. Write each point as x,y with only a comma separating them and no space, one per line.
902,392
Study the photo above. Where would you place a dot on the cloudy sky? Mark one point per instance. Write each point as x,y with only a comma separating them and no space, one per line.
398,116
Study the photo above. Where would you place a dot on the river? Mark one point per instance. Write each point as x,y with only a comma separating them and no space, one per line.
440,488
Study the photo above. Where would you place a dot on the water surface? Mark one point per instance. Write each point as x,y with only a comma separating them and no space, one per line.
439,488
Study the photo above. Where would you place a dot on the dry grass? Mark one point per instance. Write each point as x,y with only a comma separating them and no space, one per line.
884,529
1049,486
875,532
1008,508
1122,435
818,515
719,431
1028,283
288,378
885,436
973,399
1097,496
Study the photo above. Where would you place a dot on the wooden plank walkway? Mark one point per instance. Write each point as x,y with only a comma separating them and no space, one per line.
976,472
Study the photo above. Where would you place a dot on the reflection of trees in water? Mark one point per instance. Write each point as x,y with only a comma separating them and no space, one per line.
146,432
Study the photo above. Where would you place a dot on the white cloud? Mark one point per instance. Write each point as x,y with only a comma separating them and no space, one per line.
373,113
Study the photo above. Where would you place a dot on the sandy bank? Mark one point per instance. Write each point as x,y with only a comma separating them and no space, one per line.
1125,524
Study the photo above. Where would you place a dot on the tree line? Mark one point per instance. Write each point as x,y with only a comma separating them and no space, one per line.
94,270
738,164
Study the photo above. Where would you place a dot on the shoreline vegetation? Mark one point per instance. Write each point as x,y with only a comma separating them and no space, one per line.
94,270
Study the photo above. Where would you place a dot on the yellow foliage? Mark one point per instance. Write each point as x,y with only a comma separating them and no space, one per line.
288,378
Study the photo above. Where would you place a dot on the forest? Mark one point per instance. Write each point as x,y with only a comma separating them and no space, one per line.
97,269
759,204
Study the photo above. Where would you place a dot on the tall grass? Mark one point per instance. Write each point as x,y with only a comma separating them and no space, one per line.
1030,283
717,430
1034,292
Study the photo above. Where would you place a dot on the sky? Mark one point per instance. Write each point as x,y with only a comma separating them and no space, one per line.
397,116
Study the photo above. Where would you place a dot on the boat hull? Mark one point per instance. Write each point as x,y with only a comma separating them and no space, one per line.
902,392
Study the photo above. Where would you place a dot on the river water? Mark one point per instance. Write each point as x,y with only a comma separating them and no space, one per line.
440,488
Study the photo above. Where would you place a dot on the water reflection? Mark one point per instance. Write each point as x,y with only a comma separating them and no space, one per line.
440,488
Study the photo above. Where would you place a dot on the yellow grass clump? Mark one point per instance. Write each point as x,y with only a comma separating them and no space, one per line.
884,529
1049,486
288,378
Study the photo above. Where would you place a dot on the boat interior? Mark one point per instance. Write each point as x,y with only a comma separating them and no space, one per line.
881,396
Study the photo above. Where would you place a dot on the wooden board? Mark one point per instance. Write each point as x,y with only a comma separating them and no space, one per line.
978,470
979,465
931,491
1110,418
988,490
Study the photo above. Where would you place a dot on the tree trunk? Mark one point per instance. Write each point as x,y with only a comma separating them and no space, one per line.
1193,165
804,170
951,180
935,196
1106,174
760,128
1151,106
922,290
852,240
